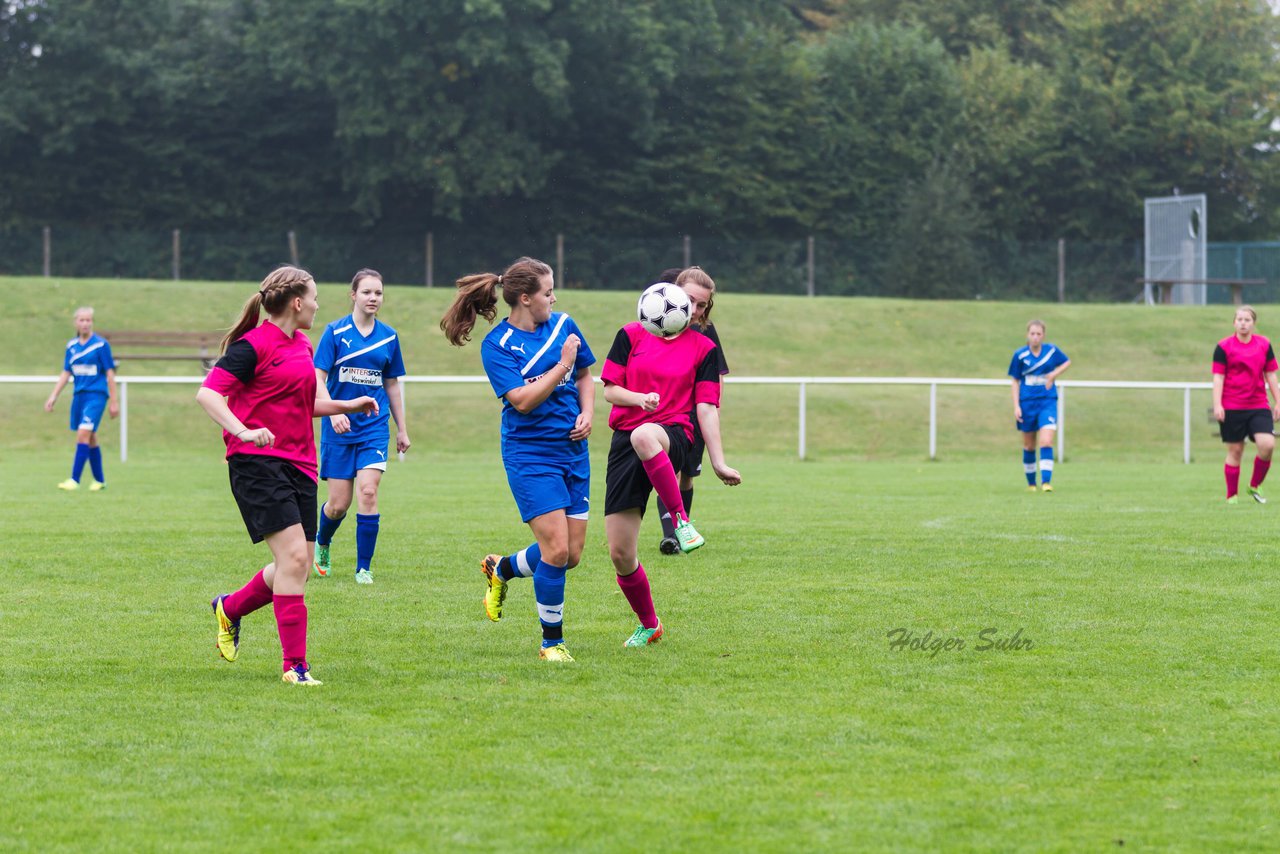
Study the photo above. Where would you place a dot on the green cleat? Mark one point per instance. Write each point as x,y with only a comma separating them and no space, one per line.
556,652
496,593
644,637
364,576
69,484
98,486
322,561
1031,488
1048,487
688,537
1235,499
1255,492
228,631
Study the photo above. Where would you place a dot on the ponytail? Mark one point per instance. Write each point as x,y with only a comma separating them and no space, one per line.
248,320
476,296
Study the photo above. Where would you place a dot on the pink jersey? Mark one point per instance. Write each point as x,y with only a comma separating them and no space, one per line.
269,381
683,371
1244,367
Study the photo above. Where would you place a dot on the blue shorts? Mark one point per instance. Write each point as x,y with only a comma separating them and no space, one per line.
341,460
86,410
1038,415
543,480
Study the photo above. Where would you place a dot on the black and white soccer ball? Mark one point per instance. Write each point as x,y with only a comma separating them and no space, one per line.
664,310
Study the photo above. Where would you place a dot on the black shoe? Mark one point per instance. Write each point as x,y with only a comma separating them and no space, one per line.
669,546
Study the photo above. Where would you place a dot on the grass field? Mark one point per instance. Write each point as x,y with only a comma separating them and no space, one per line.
776,716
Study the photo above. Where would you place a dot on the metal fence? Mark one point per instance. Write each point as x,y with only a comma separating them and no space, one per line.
801,383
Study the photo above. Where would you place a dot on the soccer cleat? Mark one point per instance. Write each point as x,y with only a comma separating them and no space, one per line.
1031,488
98,486
69,484
644,637
688,537
1235,499
1255,492
555,653
321,562
669,546
496,593
364,576
228,631
1048,487
299,675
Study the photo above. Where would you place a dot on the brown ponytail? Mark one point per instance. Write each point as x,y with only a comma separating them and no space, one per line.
277,289
477,296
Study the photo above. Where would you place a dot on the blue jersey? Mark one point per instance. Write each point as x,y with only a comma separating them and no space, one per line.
513,358
358,365
1030,369
88,364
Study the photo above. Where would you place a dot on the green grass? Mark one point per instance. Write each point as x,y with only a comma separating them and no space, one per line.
774,716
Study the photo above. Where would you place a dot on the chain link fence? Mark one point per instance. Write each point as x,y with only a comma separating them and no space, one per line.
1043,271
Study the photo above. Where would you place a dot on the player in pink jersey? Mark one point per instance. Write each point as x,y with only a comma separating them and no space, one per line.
655,385
263,393
1244,367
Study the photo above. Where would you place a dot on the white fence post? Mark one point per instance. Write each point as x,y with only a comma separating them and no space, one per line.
124,418
933,421
1186,424
802,416
1062,427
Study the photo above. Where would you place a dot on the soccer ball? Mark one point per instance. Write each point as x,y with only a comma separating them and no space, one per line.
664,310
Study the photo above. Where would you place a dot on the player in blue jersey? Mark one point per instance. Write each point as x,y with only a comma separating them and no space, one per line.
358,355
701,289
1034,368
537,362
89,364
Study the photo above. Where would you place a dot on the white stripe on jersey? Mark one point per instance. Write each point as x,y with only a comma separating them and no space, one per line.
87,350
550,339
1043,359
502,342
342,329
374,346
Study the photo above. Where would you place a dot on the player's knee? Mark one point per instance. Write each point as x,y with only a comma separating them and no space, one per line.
368,498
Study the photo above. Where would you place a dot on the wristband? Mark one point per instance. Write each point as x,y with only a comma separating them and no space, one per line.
567,369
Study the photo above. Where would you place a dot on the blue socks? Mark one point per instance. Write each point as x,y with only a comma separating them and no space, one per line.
1046,465
366,539
82,456
1029,466
95,463
548,590
521,564
327,527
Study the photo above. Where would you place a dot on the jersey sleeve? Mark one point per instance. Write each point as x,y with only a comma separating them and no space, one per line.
66,359
585,357
1219,360
237,365
1062,359
395,362
721,362
1270,367
615,364
500,368
1015,367
108,358
326,351
706,380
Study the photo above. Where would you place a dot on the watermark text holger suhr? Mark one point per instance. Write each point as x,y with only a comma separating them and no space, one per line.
987,640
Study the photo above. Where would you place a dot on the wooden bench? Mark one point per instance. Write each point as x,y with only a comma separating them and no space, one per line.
204,344
1165,287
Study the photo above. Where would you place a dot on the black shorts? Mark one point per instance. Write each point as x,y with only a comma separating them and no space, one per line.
693,460
1240,424
272,495
626,484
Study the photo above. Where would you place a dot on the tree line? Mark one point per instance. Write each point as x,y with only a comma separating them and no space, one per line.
926,127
